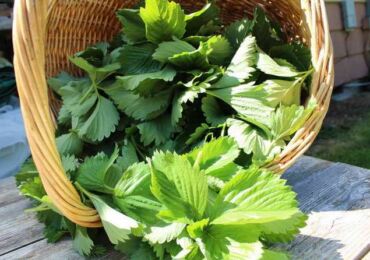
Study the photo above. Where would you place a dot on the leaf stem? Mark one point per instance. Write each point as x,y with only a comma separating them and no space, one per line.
197,161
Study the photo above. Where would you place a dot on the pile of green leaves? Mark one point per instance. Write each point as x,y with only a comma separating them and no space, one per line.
199,205
167,134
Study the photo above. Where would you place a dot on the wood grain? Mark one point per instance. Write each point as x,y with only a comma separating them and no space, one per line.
336,196
62,250
17,229
367,256
8,193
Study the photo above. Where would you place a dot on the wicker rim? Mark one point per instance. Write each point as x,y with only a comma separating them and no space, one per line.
30,45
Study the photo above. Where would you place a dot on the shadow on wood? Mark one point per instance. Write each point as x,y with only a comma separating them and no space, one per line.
337,198
310,247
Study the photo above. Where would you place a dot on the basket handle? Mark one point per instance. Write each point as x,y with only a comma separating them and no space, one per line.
29,36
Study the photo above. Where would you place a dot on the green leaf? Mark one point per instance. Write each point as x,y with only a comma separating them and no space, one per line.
157,130
113,175
229,249
259,200
271,67
133,196
242,65
195,40
146,203
210,28
140,108
220,50
70,163
133,25
203,80
249,101
266,149
283,91
32,188
69,144
143,209
96,74
134,181
198,133
226,81
92,172
252,140
163,20
97,116
243,133
174,177
27,172
147,83
144,252
117,225
82,243
179,100
214,154
129,156
213,111
223,175
56,226
192,60
288,120
64,116
195,230
295,53
78,97
273,255
165,234
129,246
98,251
265,33
102,122
96,55
182,54
167,50
238,31
59,81
138,59
196,20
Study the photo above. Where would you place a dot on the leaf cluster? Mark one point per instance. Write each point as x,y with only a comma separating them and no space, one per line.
198,205
172,79
167,133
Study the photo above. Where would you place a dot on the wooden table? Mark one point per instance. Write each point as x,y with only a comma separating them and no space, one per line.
336,196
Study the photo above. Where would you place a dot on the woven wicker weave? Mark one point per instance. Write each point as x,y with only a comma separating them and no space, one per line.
46,32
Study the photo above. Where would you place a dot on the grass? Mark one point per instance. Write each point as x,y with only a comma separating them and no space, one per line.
345,139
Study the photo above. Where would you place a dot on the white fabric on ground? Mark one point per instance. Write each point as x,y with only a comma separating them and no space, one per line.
13,142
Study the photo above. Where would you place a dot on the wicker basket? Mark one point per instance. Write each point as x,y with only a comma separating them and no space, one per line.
46,32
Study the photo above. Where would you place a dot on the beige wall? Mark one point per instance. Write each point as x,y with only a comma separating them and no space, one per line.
351,48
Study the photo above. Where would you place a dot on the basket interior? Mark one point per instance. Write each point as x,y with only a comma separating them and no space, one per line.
75,24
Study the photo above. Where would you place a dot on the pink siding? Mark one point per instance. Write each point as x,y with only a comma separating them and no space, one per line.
351,49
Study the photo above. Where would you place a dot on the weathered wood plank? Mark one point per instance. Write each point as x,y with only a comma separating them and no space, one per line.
8,193
333,235
337,198
338,187
305,166
61,250
18,229
367,256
